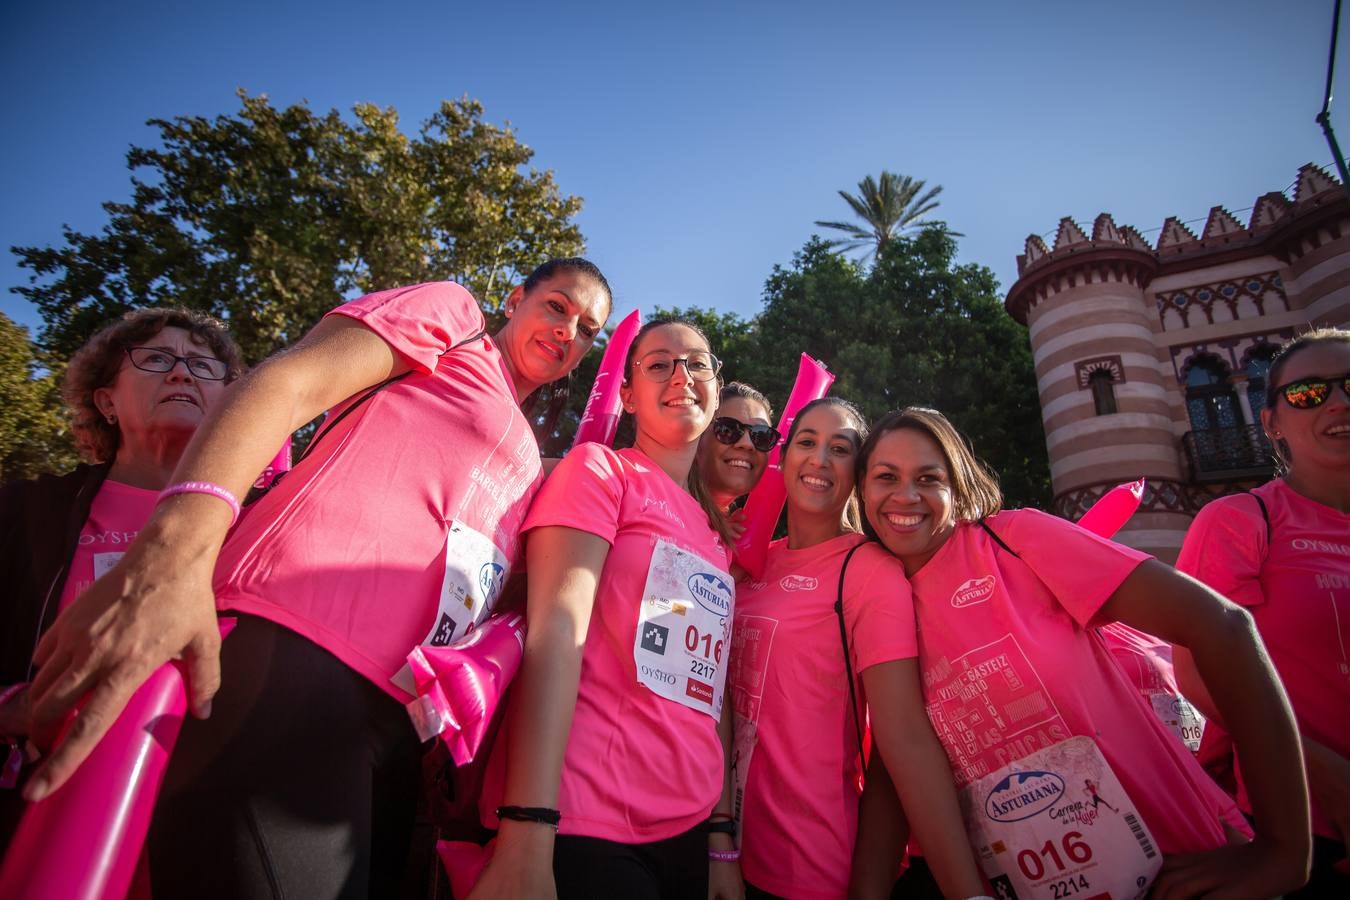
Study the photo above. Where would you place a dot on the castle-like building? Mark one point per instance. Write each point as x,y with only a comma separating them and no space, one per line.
1152,360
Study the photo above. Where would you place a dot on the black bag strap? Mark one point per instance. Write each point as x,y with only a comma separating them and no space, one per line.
1265,513
255,494
843,639
997,540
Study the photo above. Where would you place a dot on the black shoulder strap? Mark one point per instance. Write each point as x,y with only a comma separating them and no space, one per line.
843,639
997,540
329,426
1265,513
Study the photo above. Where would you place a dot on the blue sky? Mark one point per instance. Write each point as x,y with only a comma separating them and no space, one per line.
706,137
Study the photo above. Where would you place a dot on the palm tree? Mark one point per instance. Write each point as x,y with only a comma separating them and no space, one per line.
888,208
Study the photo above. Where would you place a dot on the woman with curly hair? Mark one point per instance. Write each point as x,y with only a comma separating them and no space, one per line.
135,393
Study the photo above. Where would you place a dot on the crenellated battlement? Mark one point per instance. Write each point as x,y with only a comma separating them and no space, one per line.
1279,226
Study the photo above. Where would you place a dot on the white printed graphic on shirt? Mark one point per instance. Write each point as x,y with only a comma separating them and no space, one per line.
990,708
1056,824
751,645
684,627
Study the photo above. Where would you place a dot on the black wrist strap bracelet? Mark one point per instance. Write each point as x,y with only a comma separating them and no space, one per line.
722,826
541,814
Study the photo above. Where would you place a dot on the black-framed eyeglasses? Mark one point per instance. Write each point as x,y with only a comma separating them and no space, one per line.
659,365
729,431
1313,391
154,359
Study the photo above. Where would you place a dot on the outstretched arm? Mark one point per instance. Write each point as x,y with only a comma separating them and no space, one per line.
1247,694
921,773
564,566
157,603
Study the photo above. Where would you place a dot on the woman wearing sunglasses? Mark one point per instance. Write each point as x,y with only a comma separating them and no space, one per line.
1069,783
613,762
735,448
1283,551
796,656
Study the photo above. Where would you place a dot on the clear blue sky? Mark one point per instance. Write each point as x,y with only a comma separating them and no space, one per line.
706,137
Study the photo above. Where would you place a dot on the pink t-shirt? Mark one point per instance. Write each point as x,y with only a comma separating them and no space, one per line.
357,547
638,767
1147,661
116,516
1011,666
1297,587
796,751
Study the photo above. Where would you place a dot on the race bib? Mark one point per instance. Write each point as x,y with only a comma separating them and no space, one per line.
1057,824
104,562
684,629
1177,713
475,571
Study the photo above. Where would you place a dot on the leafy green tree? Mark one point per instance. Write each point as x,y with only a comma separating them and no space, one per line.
888,208
915,330
270,217
34,437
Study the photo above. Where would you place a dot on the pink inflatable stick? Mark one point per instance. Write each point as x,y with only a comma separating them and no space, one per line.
765,502
1105,517
83,842
464,862
600,419
459,685
280,463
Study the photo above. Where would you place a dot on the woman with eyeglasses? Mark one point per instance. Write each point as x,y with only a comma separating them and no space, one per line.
612,760
298,774
136,392
1283,551
1069,783
735,448
802,664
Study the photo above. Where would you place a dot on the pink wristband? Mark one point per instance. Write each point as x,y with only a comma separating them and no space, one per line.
203,487
724,855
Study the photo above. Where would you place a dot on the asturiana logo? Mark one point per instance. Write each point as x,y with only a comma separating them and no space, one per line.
798,583
711,592
976,590
1022,795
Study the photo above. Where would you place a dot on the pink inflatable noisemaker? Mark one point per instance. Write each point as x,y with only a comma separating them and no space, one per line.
279,464
765,502
460,685
1105,517
464,862
600,419
84,841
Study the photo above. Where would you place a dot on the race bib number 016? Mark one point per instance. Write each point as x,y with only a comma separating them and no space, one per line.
684,629
1057,824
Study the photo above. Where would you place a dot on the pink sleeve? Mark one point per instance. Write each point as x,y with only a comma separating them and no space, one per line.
878,609
420,322
1081,569
584,492
1224,548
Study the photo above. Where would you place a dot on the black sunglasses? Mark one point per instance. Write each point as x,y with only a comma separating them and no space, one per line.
729,431
1310,393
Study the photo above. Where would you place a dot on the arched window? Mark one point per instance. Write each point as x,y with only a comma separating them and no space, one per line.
1103,392
1210,401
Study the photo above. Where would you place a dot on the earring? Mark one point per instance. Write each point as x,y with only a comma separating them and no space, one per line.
112,419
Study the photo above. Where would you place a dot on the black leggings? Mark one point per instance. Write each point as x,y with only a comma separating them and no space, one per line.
673,869
302,783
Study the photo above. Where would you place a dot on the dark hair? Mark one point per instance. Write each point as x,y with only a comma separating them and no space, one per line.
698,489
852,512
975,490
1315,337
739,390
546,404
96,364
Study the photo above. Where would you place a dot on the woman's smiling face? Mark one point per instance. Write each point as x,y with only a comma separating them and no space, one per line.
818,461
732,470
908,495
